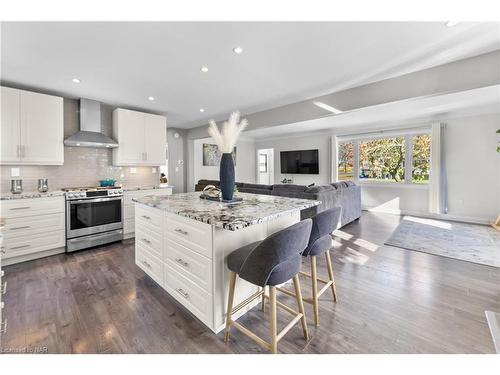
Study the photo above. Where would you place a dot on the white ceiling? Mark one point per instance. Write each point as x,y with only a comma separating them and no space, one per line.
484,100
123,63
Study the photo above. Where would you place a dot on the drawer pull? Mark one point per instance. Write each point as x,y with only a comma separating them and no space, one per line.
146,264
19,247
146,241
181,231
2,250
3,326
17,228
183,293
146,217
20,208
4,288
182,262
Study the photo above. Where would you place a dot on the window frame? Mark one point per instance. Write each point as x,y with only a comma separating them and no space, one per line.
408,137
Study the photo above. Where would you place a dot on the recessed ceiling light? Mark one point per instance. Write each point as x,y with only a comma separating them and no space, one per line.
151,98
204,69
452,23
327,107
75,80
202,110
238,50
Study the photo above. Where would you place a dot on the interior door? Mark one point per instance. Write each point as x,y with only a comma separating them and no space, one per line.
10,126
42,128
155,136
265,166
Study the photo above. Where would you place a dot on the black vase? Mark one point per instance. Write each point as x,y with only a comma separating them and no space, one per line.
226,176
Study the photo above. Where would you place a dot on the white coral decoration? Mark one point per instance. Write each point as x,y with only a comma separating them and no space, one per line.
231,130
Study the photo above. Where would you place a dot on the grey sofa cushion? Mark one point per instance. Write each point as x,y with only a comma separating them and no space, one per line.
318,189
257,186
289,188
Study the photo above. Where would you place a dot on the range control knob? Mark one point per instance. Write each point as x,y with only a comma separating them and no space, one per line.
70,195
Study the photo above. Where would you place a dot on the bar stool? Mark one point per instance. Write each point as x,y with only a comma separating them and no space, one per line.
320,242
271,262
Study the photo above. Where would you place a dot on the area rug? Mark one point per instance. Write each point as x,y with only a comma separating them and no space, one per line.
468,242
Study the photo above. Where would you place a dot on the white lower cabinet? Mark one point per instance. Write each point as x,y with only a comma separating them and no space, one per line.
187,258
129,207
32,228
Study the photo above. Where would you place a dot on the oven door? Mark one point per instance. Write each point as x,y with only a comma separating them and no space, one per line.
96,215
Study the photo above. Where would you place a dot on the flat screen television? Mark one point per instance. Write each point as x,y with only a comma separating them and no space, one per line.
299,162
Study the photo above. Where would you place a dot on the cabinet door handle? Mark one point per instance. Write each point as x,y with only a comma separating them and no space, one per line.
146,264
146,241
19,247
146,156
20,208
23,151
182,262
18,151
3,326
183,293
17,228
146,217
181,231
2,251
4,288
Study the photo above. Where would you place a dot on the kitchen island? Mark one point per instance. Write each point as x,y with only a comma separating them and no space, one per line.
182,242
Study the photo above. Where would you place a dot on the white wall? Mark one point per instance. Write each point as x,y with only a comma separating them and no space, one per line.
320,142
472,163
245,162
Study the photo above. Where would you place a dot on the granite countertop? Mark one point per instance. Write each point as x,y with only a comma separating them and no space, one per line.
254,208
145,187
31,194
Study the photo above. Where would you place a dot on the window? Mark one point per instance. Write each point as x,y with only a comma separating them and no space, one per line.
382,159
421,161
401,158
346,161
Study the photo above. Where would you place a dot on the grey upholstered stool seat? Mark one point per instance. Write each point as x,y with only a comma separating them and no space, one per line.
270,262
320,243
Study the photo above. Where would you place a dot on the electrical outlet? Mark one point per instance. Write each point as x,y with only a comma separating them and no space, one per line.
15,172
133,170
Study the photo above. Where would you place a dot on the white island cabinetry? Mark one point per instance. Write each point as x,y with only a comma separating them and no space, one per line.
187,255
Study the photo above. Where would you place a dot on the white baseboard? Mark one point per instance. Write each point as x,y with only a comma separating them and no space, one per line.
464,219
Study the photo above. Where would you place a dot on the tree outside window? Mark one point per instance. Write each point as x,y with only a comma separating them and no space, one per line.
382,159
345,161
421,159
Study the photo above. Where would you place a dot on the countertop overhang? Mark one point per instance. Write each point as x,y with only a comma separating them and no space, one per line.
253,209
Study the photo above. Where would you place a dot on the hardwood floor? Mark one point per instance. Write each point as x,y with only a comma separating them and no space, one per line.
390,301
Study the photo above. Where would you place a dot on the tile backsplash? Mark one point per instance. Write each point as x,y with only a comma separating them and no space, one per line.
82,167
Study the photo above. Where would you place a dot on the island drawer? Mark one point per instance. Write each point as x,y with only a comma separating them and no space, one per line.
30,225
190,264
31,207
151,240
189,294
149,216
149,263
191,234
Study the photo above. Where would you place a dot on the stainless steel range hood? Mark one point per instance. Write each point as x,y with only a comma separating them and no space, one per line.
90,134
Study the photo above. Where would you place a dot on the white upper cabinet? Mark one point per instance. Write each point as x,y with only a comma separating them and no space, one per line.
142,138
32,128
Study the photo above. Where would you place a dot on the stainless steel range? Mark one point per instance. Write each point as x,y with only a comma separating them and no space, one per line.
94,216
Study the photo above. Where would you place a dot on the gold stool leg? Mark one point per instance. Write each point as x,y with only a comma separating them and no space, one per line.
272,317
330,273
263,301
314,280
230,297
300,303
